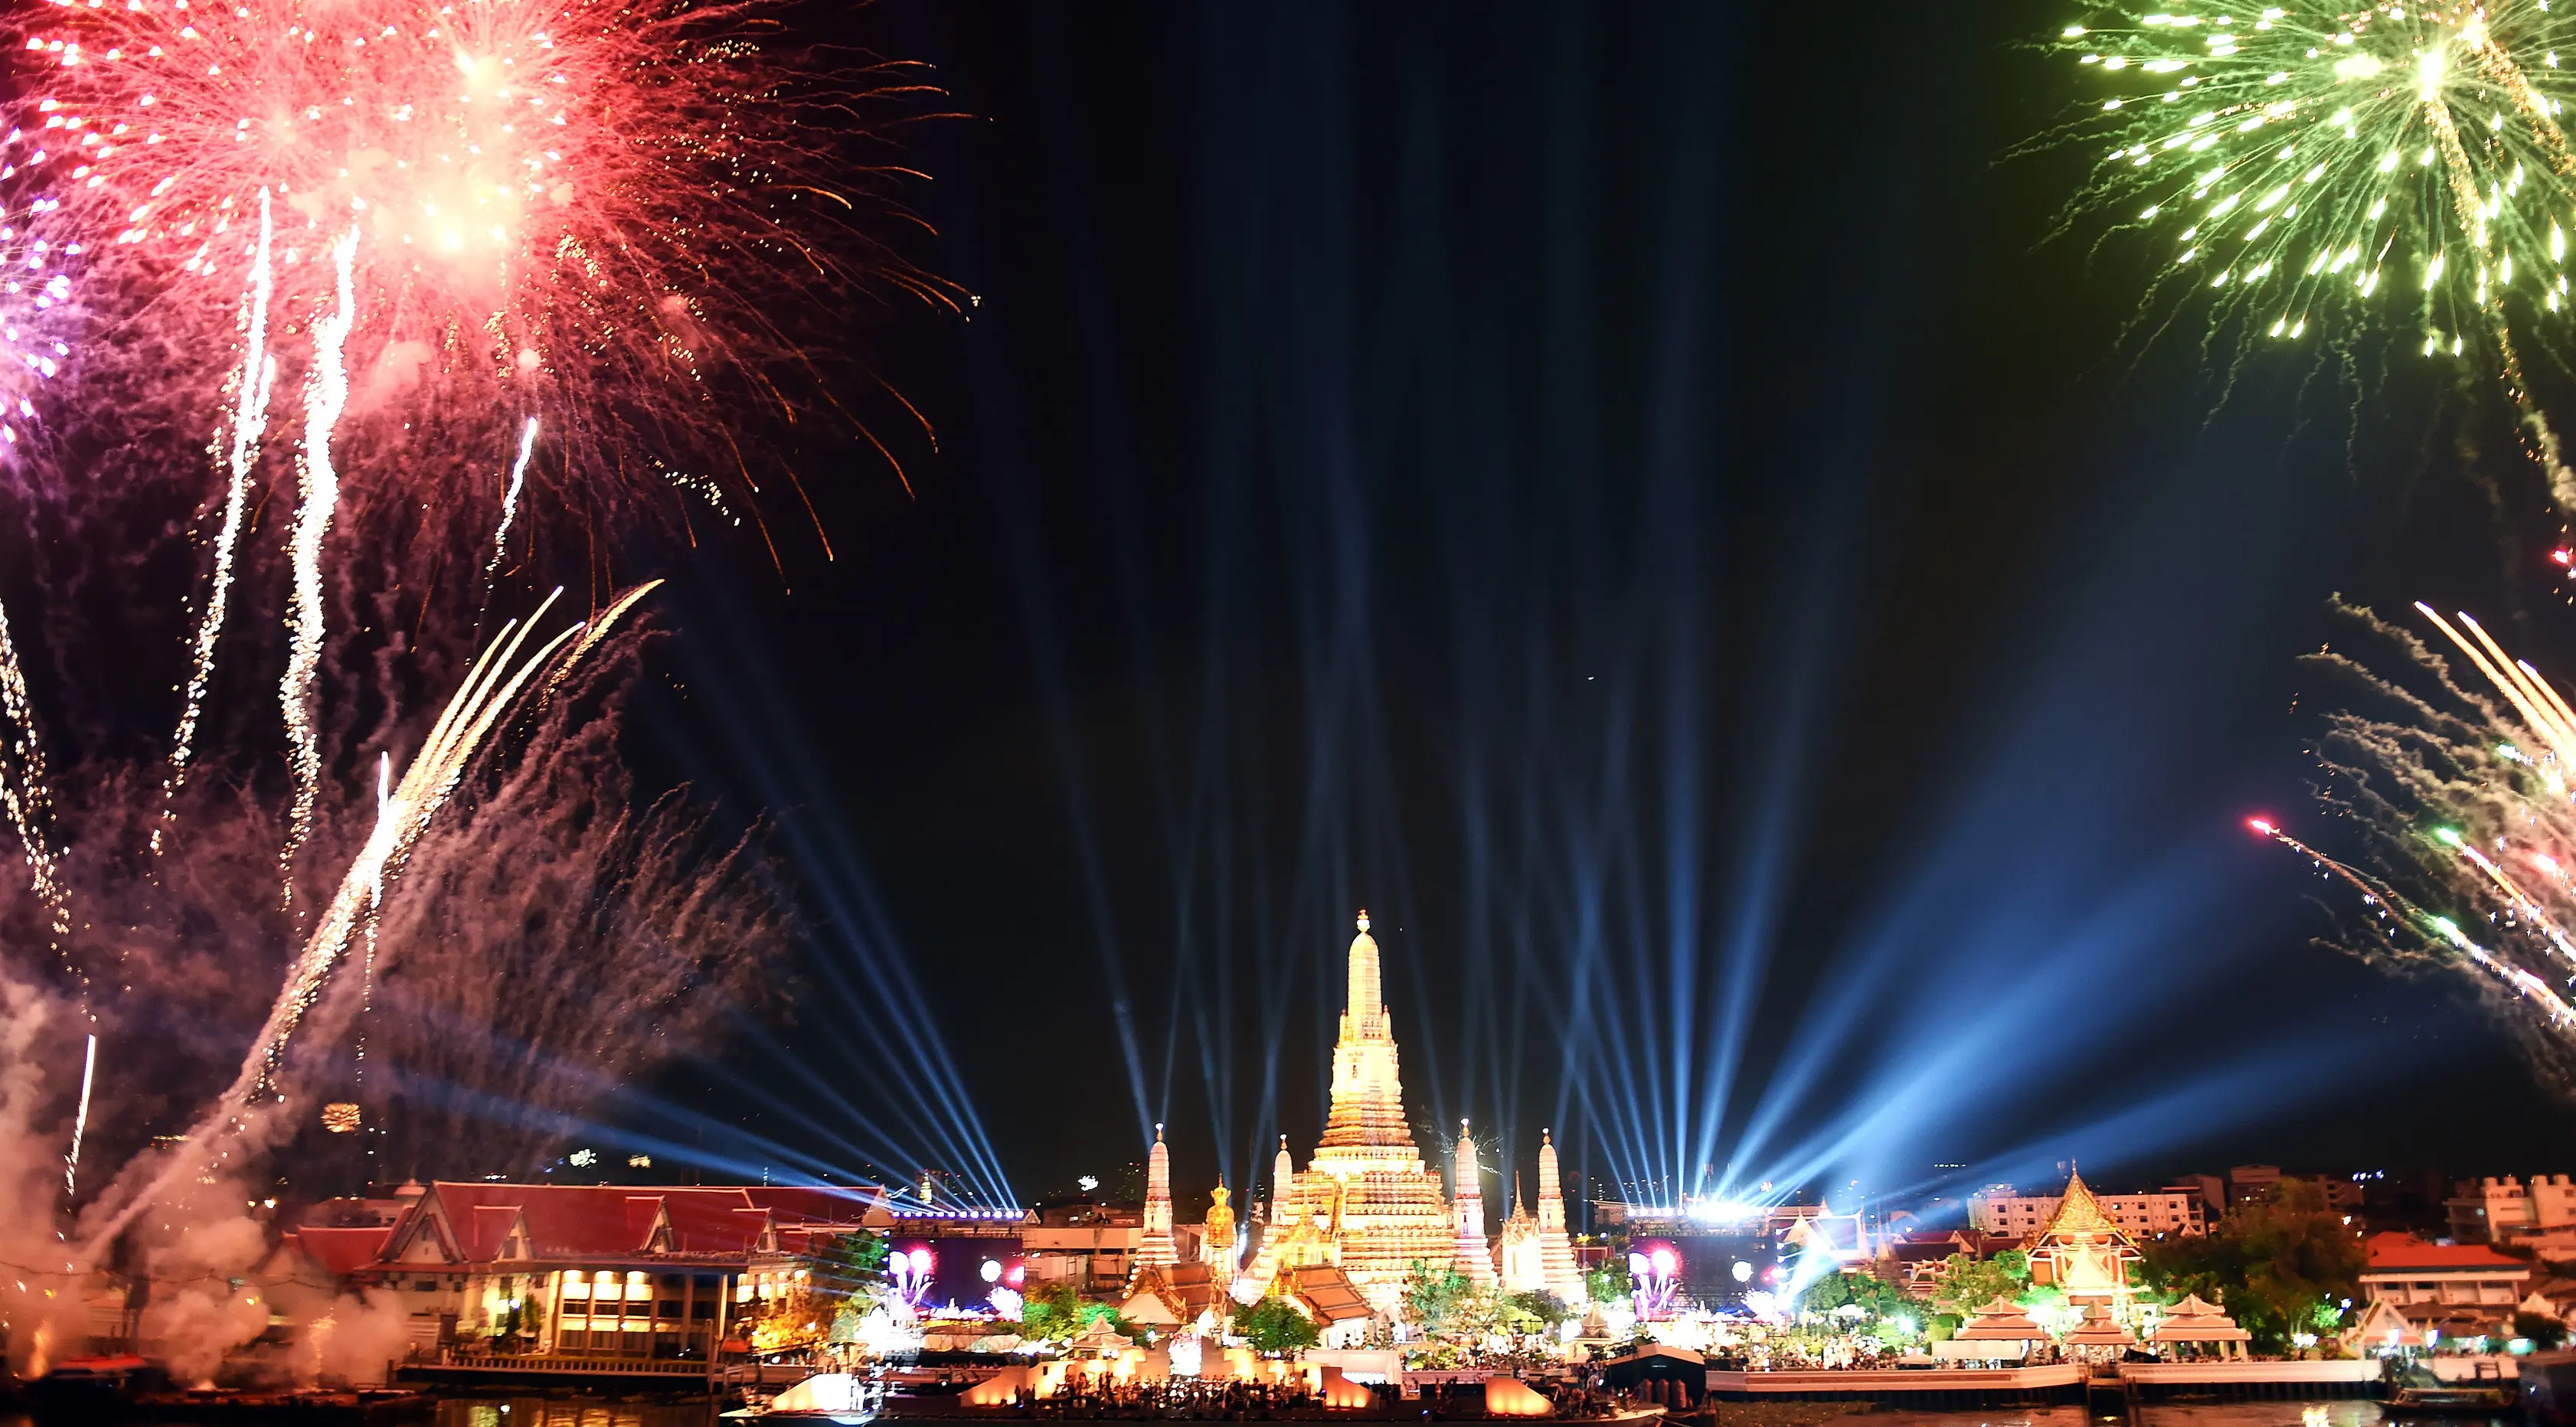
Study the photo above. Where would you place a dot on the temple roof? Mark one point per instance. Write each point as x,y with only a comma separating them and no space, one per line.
2194,1321
1999,1319
1327,1295
2079,1213
2099,1330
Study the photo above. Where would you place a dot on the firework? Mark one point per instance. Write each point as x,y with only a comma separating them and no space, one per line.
2315,169
258,373
2464,790
510,501
80,1118
29,803
327,394
490,692
588,206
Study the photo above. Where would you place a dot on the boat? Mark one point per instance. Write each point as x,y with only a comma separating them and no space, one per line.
2486,1399
845,1398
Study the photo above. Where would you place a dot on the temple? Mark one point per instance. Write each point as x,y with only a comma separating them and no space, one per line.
1365,1203
2082,1253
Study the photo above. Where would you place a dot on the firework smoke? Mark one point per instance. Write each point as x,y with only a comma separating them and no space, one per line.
489,694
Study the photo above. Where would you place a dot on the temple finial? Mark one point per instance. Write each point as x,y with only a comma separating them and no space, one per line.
1363,919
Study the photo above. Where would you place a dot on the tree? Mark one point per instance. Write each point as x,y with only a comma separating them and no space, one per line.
1533,1312
2543,1330
1972,1282
1434,1296
1605,1285
1272,1327
1051,1311
1881,1298
2285,1265
845,1266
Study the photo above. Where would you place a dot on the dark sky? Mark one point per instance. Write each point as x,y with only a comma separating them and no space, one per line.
1626,494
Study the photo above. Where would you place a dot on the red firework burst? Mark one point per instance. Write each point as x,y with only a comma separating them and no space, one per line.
587,210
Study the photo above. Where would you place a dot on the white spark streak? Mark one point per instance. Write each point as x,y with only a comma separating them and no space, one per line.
250,423
510,500
490,692
29,804
325,396
80,1118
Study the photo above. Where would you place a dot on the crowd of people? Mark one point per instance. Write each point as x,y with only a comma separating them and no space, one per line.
1191,1400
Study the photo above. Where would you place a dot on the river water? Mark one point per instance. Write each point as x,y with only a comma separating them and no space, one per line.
542,1412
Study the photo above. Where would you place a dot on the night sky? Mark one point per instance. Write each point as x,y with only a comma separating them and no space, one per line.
1629,495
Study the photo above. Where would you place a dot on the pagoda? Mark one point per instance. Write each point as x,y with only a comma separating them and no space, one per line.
1365,1203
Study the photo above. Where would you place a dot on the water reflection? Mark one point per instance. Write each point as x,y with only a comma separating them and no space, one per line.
561,1412
2347,1413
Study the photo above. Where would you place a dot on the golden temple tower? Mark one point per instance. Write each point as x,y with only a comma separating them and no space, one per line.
1366,1201
1216,1242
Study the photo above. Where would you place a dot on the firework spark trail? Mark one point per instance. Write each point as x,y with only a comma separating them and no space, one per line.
80,1119
326,396
489,693
249,424
2307,153
614,207
2454,802
30,806
510,503
2433,930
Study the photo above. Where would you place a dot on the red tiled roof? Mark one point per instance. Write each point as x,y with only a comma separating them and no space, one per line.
1923,1253
790,1204
341,1251
2393,1252
567,1221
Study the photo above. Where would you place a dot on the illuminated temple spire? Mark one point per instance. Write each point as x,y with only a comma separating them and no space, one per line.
1368,1095
1155,1250
1283,1184
1364,980
1564,1278
1473,1256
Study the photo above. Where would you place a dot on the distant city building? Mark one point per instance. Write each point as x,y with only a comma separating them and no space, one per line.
2176,1211
2250,1183
1090,1245
2540,1215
